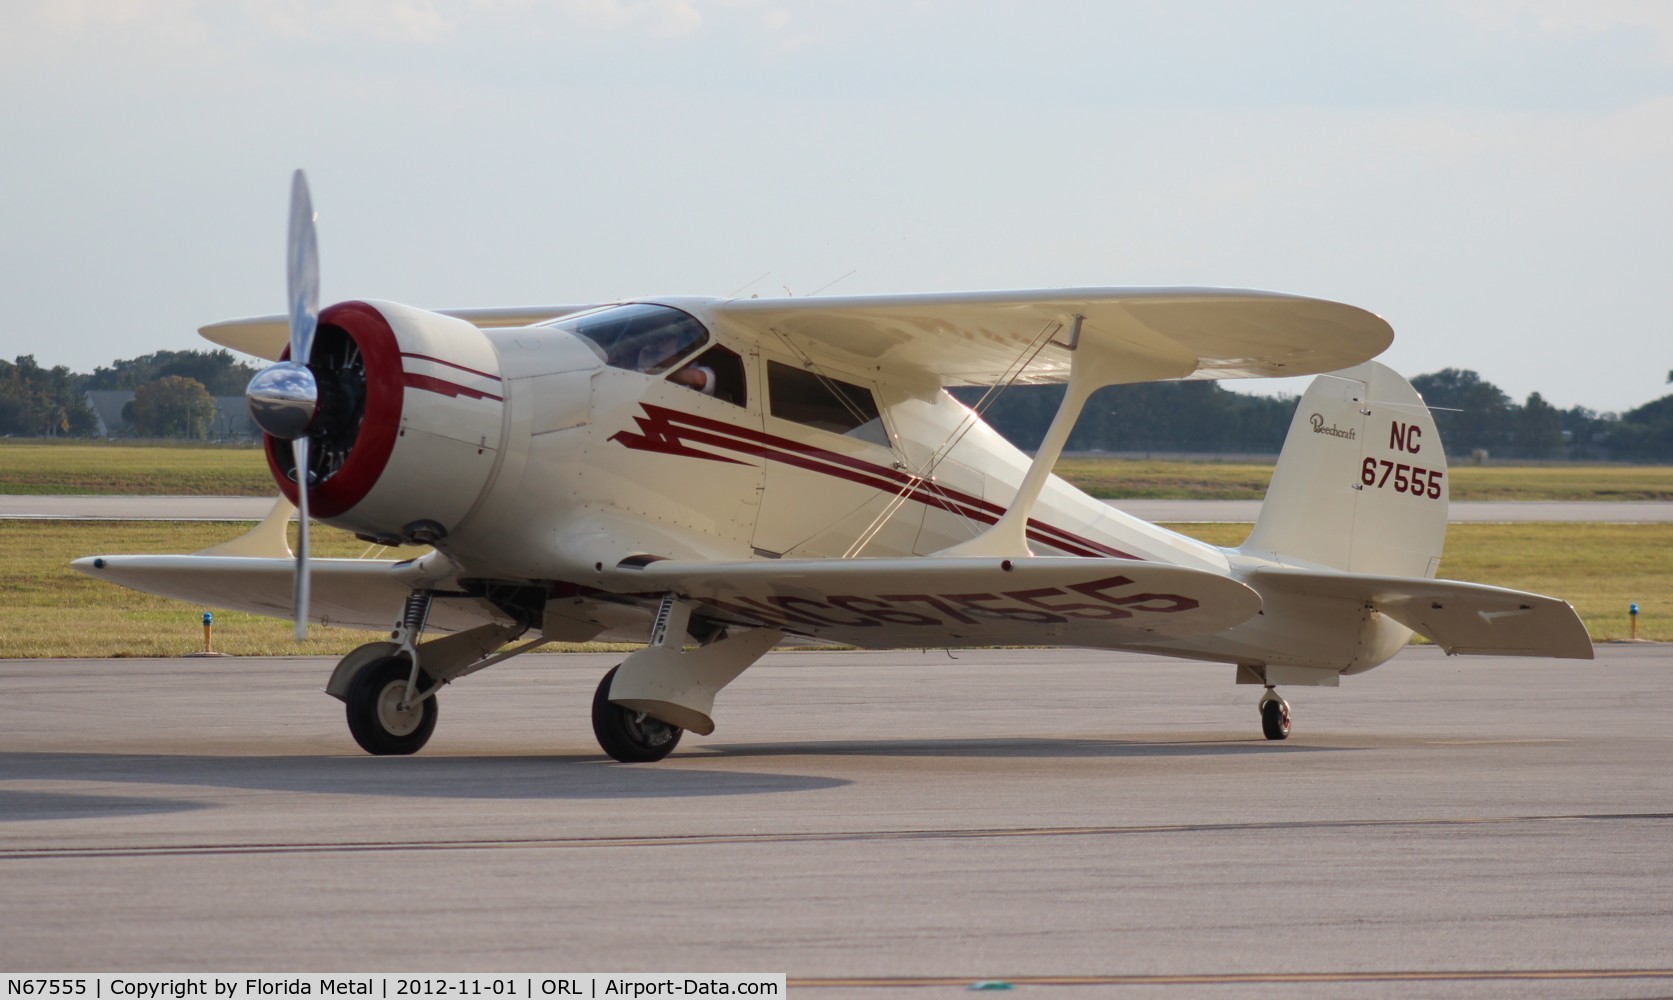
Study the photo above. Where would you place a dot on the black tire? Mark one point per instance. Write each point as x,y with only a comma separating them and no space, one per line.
1275,719
628,736
375,722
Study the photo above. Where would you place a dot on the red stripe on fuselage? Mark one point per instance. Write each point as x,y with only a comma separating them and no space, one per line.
439,361
430,383
673,432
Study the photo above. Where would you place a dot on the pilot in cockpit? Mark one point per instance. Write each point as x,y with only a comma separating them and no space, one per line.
661,349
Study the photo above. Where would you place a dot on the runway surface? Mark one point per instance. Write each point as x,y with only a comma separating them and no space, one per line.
256,508
874,824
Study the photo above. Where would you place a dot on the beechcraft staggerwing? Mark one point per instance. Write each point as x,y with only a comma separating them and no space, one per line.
714,477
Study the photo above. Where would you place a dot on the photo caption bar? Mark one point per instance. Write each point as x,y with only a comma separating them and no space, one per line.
391,986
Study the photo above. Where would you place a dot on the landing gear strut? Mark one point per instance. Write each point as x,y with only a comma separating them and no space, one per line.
629,736
1275,715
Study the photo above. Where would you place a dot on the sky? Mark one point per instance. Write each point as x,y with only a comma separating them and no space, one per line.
1493,177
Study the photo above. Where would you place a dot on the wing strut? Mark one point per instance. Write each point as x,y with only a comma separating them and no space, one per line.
1094,362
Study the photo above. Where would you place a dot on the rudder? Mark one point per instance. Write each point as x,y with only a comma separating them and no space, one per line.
1361,483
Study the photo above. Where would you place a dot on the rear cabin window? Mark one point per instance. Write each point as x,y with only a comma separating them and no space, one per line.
819,400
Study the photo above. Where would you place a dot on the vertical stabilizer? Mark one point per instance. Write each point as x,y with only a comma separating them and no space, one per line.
1361,484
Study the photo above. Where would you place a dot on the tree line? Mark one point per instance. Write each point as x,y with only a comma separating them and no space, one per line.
1472,415
173,394
173,390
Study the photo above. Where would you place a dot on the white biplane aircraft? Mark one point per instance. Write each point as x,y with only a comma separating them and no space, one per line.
717,476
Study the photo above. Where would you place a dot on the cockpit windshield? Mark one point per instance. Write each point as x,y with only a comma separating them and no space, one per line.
643,337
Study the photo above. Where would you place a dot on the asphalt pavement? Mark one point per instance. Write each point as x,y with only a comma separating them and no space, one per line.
1071,823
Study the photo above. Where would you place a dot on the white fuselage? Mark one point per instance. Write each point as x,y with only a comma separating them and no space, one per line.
597,464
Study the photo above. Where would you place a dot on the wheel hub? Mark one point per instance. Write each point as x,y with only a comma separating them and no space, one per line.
398,717
648,731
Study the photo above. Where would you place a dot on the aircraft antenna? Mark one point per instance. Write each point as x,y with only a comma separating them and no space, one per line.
833,281
1414,407
745,287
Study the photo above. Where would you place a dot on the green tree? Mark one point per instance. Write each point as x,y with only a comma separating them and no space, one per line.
1644,433
173,406
1539,429
218,371
42,402
1469,412
1587,432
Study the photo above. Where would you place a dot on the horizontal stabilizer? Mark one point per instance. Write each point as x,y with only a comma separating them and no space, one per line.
352,593
1458,617
938,602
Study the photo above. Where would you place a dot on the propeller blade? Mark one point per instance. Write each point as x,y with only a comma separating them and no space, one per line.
299,593
302,270
302,282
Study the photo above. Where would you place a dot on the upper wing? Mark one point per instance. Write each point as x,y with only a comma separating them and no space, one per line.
935,602
268,336
1458,617
976,338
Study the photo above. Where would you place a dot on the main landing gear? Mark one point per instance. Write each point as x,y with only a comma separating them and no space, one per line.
649,699
1275,715
630,736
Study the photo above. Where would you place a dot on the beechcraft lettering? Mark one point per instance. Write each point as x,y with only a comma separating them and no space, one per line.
707,478
1319,427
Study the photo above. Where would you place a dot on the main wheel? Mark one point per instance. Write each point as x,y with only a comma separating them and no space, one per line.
628,736
378,720
1275,719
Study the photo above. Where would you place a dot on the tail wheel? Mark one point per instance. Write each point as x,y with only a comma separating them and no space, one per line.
628,736
380,720
1275,719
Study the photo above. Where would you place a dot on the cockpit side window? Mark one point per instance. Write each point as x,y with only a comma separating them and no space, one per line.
724,367
819,401
641,337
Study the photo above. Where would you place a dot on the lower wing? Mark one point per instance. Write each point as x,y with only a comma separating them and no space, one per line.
354,593
930,602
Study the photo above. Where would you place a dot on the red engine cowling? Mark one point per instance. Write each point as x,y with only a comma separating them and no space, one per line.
407,432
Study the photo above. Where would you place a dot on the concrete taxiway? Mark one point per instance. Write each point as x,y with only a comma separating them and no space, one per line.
118,508
874,824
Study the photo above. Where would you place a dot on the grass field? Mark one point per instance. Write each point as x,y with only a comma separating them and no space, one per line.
48,610
169,470
89,468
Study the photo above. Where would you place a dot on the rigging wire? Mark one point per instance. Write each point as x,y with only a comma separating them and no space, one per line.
926,469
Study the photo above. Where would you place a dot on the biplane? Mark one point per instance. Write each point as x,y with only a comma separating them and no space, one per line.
714,477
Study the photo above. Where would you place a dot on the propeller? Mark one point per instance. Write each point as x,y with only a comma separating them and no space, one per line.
284,398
